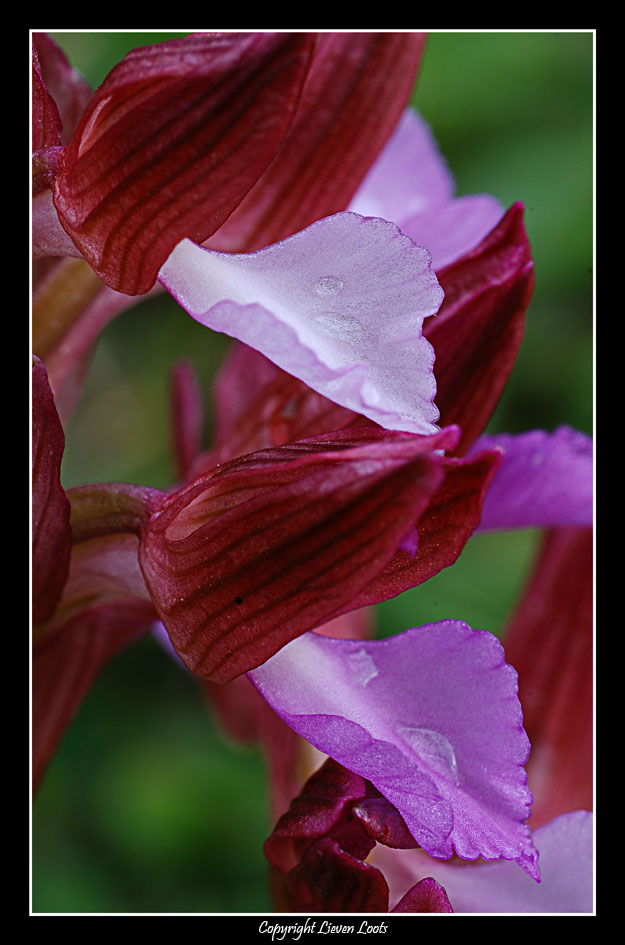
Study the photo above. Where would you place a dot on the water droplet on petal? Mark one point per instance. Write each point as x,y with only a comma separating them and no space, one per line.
328,285
362,667
434,749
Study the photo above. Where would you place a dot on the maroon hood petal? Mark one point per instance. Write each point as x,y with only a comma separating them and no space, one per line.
246,558
327,879
317,848
52,535
452,515
170,143
550,643
426,896
320,806
355,93
320,847
478,330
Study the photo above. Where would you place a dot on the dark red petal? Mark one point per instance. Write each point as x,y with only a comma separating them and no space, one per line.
443,529
355,93
104,606
68,88
46,121
315,812
426,896
270,545
258,405
171,142
478,330
52,536
550,644
327,879
383,822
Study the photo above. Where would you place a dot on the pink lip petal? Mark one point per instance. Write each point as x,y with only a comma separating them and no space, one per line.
339,305
431,717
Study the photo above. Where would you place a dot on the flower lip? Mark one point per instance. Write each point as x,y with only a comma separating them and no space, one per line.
410,713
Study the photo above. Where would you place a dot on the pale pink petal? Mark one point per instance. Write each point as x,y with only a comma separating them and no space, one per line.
339,305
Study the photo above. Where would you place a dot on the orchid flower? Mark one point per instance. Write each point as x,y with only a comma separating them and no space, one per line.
178,136
330,487
322,849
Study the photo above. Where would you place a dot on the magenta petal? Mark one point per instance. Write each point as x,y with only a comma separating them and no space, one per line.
545,480
339,305
431,717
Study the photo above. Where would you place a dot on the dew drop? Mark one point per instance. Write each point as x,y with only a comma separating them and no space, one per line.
362,667
328,285
434,749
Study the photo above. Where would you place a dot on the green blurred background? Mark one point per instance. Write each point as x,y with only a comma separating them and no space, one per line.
146,807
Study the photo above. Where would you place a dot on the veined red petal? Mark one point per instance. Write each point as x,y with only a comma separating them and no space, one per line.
243,560
443,529
479,327
171,142
354,95
52,535
550,642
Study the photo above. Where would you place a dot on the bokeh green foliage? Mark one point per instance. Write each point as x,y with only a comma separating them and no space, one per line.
146,807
